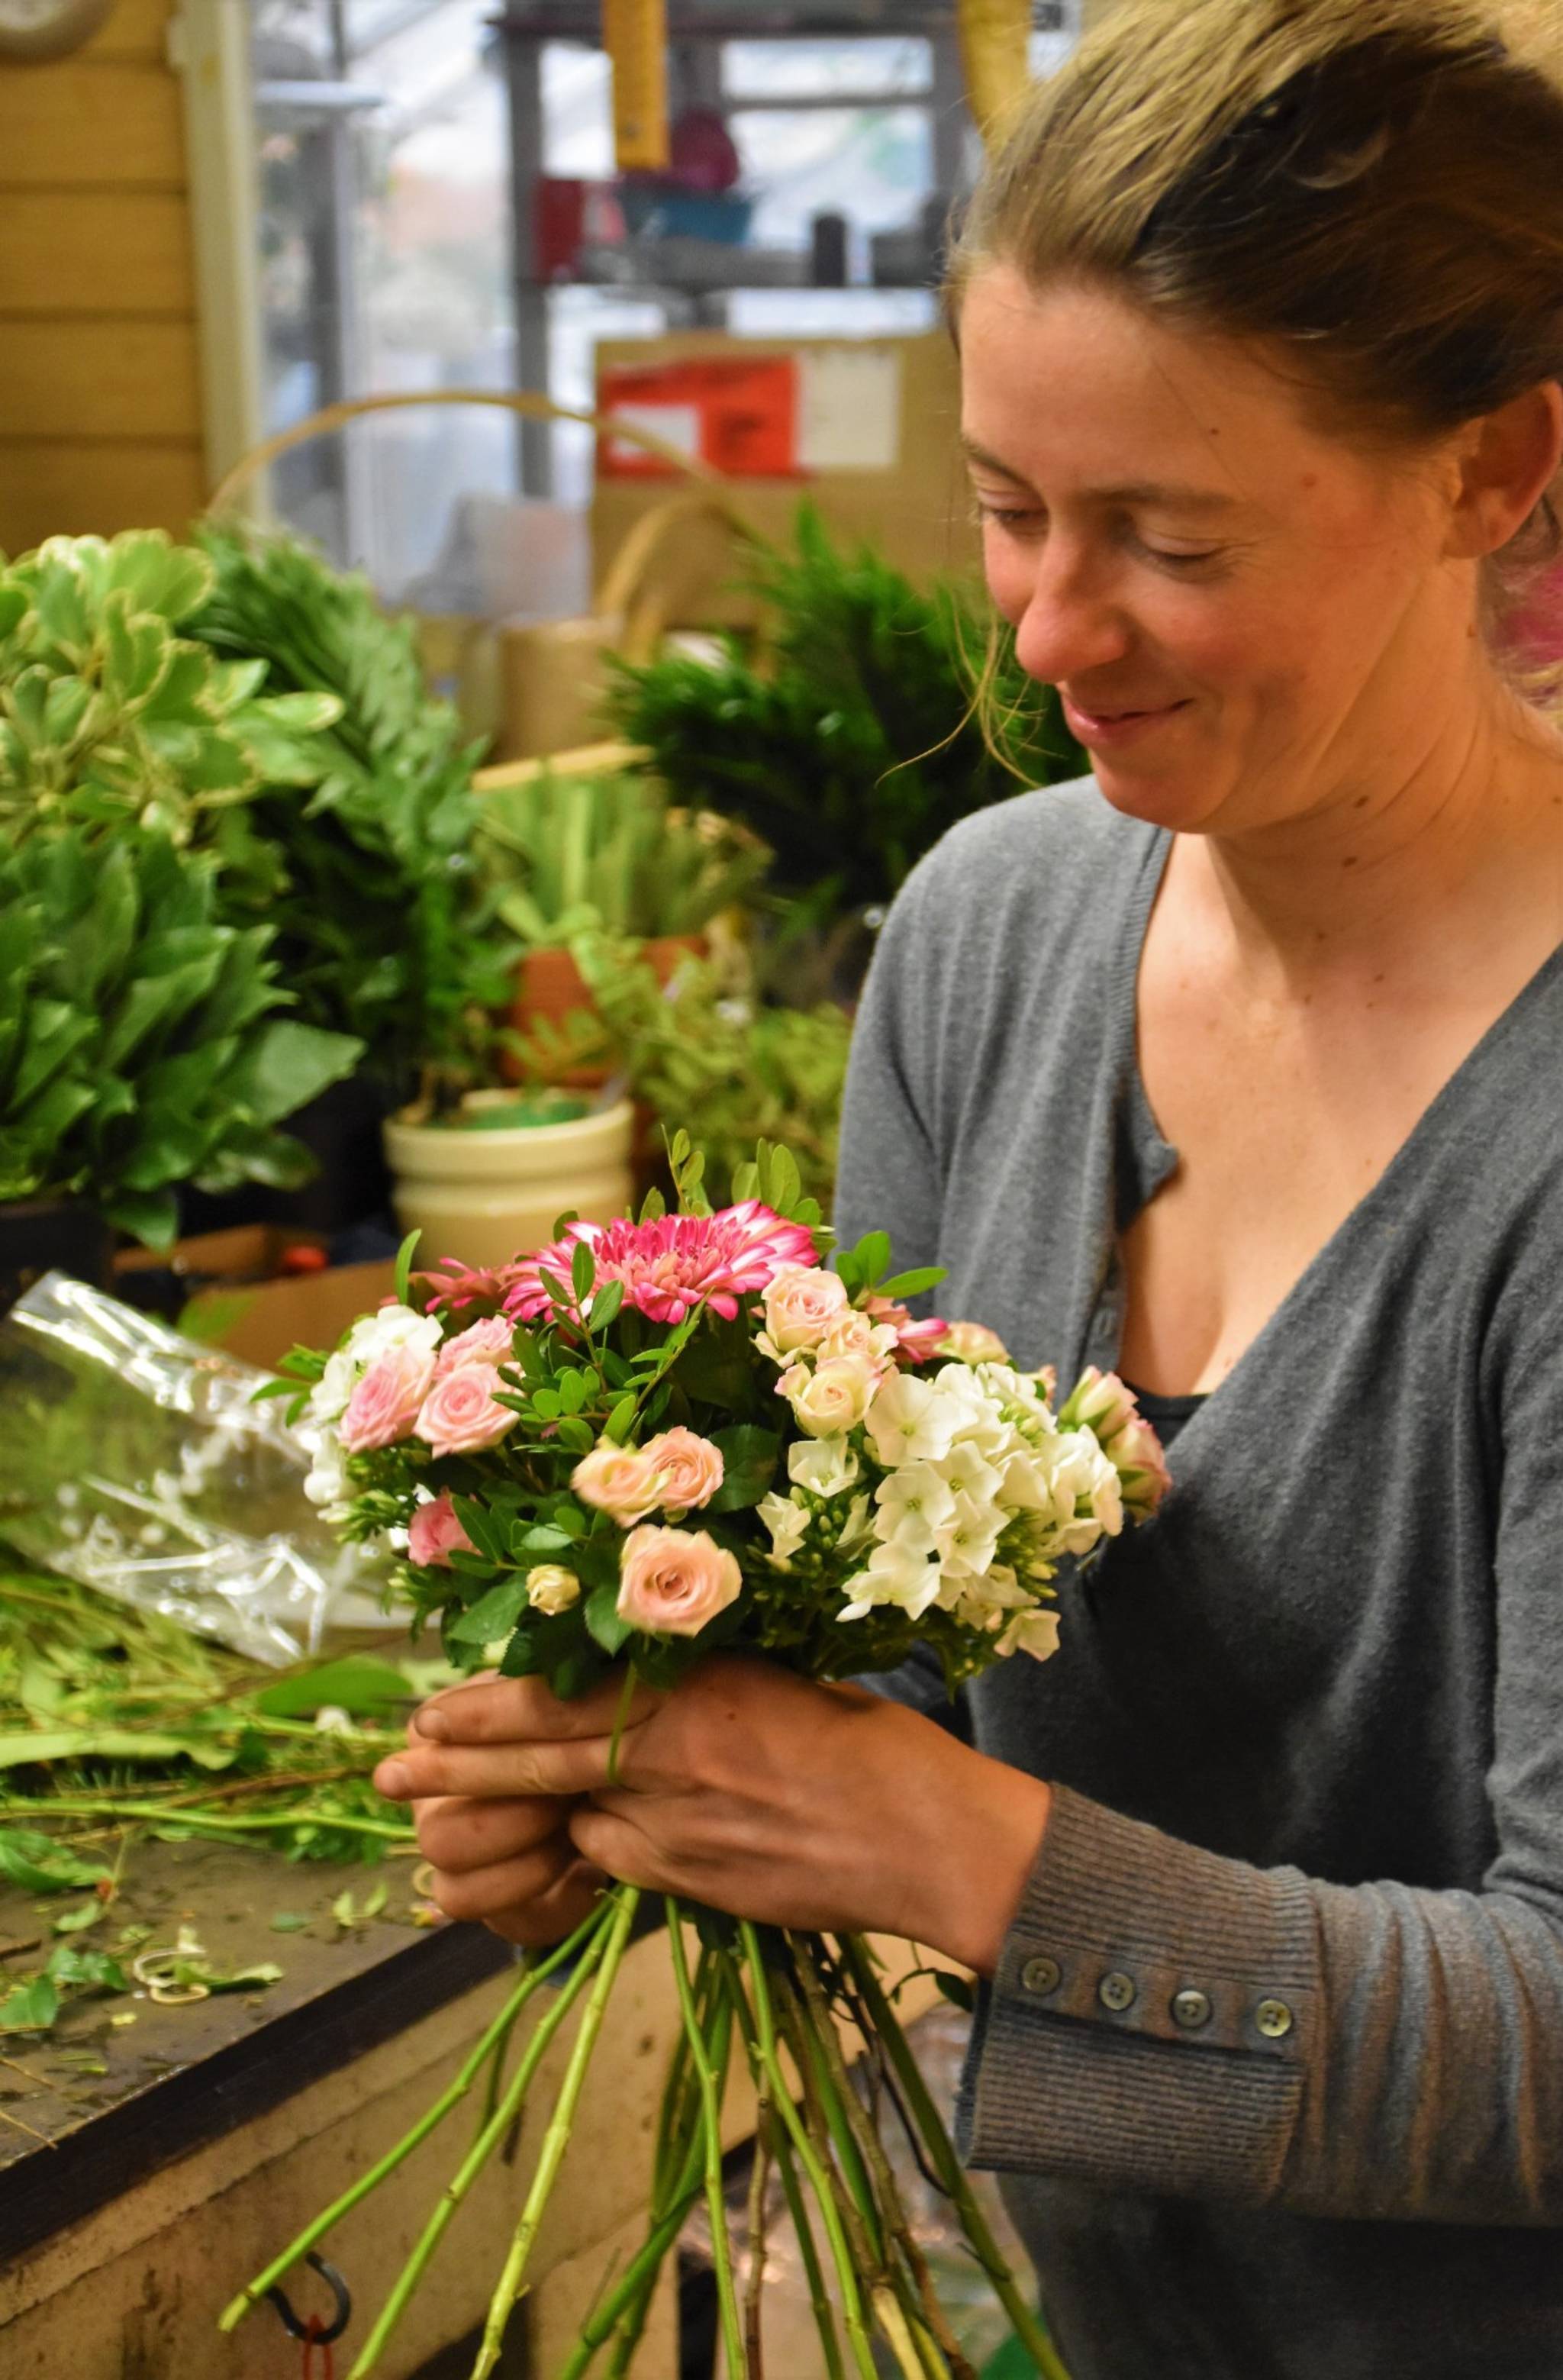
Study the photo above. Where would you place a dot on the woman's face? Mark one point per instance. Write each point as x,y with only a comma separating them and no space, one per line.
1248,618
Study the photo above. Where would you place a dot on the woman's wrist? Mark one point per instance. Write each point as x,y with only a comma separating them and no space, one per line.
974,1887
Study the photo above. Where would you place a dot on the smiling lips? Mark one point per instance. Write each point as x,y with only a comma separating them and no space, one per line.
1103,725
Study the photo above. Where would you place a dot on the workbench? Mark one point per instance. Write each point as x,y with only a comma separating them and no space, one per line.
136,2201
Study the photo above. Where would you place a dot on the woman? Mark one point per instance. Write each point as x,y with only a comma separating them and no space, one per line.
1236,1068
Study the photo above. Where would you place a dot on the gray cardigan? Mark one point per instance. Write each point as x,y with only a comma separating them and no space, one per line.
1275,2047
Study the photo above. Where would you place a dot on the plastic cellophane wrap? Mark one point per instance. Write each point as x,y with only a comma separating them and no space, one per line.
135,1460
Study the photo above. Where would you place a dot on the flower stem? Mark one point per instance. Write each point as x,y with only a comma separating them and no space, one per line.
556,2139
1028,2328
710,2109
101,1807
497,2032
818,2181
481,2149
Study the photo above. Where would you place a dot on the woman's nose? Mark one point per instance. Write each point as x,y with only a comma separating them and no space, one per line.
1069,625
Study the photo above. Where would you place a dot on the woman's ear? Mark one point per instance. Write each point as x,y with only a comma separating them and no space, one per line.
1506,461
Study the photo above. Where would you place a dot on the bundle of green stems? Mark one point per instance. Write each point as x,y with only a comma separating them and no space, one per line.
768,2003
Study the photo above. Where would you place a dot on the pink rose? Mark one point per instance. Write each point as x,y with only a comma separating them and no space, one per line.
1137,1456
624,1480
461,1414
434,1535
490,1341
672,1581
690,1466
801,1304
1099,1402
384,1405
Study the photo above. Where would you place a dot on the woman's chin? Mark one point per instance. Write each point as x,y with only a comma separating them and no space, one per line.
1179,799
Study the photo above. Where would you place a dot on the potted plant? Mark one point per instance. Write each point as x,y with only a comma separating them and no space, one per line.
485,1175
852,739
605,852
141,1042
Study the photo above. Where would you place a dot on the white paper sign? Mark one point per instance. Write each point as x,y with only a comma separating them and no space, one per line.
849,408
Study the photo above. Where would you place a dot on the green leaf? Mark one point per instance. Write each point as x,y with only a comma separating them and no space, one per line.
957,1989
76,1920
602,1618
605,1304
493,1615
289,1065
748,1460
576,1434
35,1863
30,2008
488,1530
404,1264
873,1253
357,1683
912,1284
583,1271
620,1421
290,1921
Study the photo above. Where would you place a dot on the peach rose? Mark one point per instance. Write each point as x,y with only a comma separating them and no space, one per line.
551,1587
671,1582
625,1481
434,1534
690,1466
801,1304
461,1414
490,1341
384,1406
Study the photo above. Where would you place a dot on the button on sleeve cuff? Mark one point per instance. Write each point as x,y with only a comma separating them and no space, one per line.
1152,2016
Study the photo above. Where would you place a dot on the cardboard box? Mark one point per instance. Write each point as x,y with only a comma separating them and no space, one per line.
241,1299
869,433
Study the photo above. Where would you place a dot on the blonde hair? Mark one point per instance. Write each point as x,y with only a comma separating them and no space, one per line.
1371,188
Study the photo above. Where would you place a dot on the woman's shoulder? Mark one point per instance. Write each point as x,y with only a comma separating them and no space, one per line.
1053,839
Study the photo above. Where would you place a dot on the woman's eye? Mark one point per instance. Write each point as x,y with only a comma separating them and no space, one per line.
1017,519
1181,557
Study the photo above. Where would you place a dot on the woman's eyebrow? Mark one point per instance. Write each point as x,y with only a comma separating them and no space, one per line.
1171,493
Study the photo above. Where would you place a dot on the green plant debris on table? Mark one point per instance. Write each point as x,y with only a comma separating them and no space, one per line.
116,1725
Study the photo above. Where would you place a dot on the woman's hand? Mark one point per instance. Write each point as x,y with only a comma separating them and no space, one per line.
754,1790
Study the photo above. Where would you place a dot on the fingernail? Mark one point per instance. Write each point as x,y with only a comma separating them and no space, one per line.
393,1779
434,1724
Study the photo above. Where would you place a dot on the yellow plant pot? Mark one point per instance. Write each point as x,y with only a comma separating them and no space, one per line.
486,1197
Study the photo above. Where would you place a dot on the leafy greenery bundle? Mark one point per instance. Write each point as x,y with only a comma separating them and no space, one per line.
111,717
854,743
571,855
382,924
140,1043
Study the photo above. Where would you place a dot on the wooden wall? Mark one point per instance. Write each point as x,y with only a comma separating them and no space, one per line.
100,392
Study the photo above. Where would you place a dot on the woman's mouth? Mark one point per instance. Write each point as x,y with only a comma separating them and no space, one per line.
1119,725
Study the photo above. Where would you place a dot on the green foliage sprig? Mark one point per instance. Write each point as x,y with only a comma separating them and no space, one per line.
140,1043
383,925
569,854
110,716
855,745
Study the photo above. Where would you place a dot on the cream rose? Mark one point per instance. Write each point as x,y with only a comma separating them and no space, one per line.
493,1341
972,1343
625,1481
833,1398
673,1582
551,1587
801,1304
461,1413
691,1468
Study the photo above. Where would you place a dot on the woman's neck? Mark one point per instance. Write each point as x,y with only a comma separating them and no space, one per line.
1464,833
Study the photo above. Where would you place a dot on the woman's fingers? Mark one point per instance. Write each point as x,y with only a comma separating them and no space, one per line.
507,1710
504,1887
501,1771
457,1833
536,1923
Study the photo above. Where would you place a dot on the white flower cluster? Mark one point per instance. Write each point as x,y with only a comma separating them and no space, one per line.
372,1336
971,1495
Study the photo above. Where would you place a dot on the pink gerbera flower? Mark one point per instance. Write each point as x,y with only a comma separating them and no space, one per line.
673,1265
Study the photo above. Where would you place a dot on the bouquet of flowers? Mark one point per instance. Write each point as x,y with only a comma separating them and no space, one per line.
647,1440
